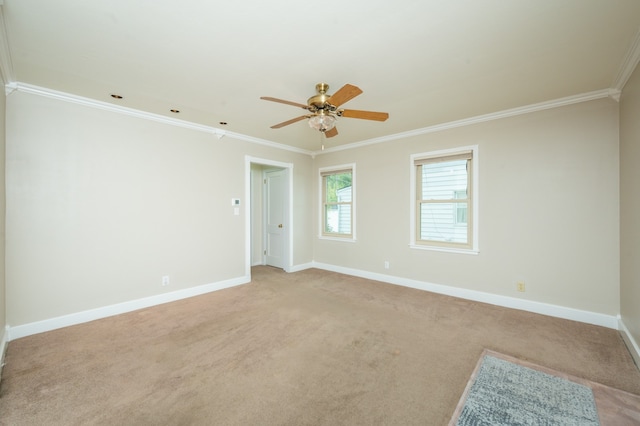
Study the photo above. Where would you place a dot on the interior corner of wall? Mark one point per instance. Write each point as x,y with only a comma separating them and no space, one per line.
630,341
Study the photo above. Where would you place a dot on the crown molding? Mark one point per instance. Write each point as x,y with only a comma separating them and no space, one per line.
569,100
629,63
6,66
92,103
219,133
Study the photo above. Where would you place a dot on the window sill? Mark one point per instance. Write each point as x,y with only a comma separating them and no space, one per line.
343,239
474,252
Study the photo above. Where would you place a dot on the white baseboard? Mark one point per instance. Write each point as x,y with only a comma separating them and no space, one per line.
301,267
588,317
119,308
4,342
631,343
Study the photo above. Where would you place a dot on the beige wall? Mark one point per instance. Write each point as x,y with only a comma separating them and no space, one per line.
630,205
101,205
549,209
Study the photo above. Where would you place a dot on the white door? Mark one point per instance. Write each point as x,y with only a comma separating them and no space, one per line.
275,217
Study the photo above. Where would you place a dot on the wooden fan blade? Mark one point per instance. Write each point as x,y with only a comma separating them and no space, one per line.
331,133
365,115
282,101
346,93
286,123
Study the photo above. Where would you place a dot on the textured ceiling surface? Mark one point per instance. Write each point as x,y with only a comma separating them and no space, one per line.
424,62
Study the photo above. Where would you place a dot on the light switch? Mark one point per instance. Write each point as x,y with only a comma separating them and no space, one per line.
236,211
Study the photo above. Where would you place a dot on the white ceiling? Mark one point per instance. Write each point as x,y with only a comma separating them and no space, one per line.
425,62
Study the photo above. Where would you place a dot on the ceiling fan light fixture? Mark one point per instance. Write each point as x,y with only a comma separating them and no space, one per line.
322,122
324,109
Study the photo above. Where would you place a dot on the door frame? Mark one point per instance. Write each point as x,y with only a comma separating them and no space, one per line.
288,219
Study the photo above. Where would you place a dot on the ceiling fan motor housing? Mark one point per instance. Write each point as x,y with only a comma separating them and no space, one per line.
321,100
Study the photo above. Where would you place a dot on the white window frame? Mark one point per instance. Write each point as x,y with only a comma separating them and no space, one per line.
337,237
474,201
456,210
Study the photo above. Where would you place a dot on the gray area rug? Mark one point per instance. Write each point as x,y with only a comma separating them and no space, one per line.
505,393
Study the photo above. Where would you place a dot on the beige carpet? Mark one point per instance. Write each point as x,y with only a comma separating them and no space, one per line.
309,348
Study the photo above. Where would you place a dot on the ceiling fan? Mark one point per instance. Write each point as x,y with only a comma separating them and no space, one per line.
324,109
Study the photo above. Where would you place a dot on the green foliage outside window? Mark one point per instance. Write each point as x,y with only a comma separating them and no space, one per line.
335,183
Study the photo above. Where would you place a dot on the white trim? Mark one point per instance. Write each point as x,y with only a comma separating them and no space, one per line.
4,342
6,66
475,202
632,345
288,167
557,311
349,166
66,97
629,64
609,321
92,103
569,100
120,308
443,249
344,240
301,267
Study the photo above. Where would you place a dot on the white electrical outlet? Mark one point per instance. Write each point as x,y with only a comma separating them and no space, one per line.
165,280
386,264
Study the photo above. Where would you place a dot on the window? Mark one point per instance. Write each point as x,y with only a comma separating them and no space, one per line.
337,201
444,211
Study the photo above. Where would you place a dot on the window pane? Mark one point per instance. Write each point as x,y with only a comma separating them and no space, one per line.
335,185
461,208
461,213
338,190
337,218
444,181
438,222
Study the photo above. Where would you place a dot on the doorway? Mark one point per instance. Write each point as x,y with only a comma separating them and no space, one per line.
269,211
